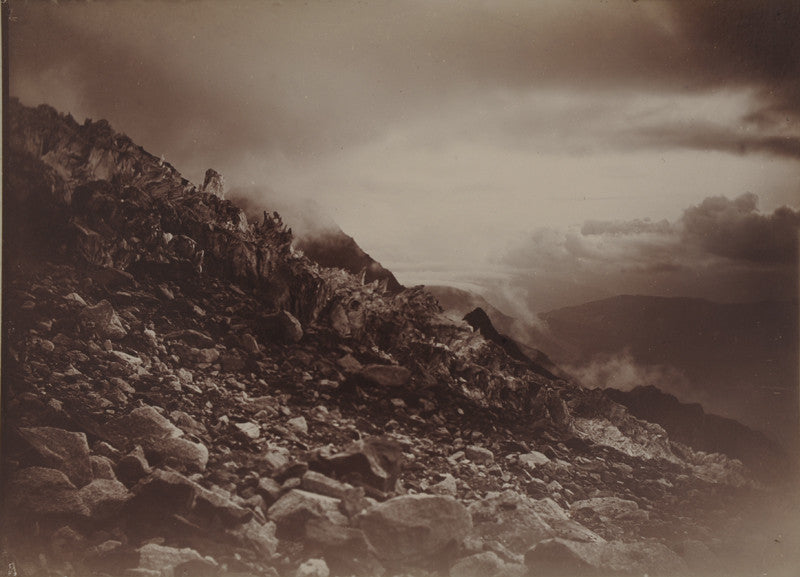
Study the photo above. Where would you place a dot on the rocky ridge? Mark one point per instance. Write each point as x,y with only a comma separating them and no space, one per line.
185,395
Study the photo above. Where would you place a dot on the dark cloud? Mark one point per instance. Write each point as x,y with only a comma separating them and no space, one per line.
736,230
721,249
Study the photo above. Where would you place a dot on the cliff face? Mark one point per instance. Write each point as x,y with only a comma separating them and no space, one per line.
184,394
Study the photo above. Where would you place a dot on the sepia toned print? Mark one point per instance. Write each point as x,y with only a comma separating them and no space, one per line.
400,288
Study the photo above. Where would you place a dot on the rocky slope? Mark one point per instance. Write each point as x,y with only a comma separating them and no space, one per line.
185,395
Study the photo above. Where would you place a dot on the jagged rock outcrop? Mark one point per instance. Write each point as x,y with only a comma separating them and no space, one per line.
214,183
212,414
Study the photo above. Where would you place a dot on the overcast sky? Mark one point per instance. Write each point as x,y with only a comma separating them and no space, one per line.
546,151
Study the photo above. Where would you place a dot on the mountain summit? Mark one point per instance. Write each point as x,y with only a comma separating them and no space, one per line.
186,394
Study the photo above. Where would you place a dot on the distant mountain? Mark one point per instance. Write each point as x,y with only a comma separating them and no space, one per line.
740,359
690,424
335,249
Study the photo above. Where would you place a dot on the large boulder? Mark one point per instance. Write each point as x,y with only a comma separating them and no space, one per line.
292,512
415,529
162,442
518,522
104,498
374,462
63,450
42,492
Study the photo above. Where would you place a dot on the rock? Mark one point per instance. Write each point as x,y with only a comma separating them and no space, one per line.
249,344
102,320
181,454
147,424
249,429
349,364
102,467
269,489
315,482
232,362
164,560
564,557
67,544
63,450
38,491
609,508
296,508
213,183
412,529
162,493
533,459
187,423
486,564
446,486
161,440
479,455
281,327
191,337
385,376
313,568
510,519
345,549
217,504
133,466
255,536
104,497
110,557
75,298
373,462
298,425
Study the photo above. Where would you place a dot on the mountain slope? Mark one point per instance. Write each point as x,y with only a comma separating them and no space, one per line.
739,360
185,394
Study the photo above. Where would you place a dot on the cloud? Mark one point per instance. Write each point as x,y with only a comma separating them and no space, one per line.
621,371
735,229
721,249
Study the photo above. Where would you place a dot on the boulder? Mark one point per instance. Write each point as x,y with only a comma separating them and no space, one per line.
102,467
102,321
479,455
315,482
280,327
509,519
533,459
486,564
104,497
181,454
296,508
164,560
345,549
63,450
313,568
385,376
133,466
255,536
414,529
38,492
161,440
372,462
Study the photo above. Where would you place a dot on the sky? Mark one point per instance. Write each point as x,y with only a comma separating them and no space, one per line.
542,153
